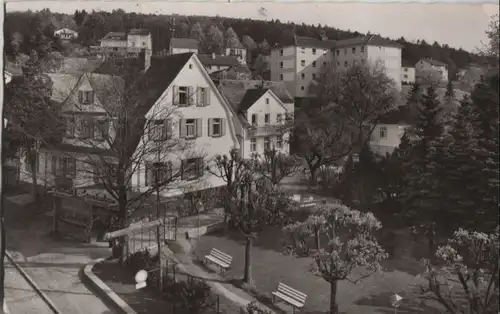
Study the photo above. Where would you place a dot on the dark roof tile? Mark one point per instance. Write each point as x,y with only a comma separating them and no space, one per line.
186,43
208,59
139,31
251,96
312,42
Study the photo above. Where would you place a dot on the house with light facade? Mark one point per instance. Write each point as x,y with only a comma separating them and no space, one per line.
214,62
299,64
178,103
407,74
386,135
121,44
66,34
431,70
263,114
182,45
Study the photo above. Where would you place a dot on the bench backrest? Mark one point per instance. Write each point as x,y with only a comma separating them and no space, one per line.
292,293
221,256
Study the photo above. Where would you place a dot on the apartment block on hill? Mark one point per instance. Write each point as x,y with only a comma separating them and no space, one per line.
300,63
121,44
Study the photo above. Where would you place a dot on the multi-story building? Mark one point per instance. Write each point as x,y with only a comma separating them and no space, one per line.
180,104
407,74
182,45
121,44
300,63
263,111
430,70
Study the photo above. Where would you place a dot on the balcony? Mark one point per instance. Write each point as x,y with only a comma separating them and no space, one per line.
267,130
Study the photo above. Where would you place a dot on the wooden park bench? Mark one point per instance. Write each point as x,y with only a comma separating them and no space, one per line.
291,296
220,259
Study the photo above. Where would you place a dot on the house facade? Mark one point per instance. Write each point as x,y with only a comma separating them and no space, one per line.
66,34
407,74
183,106
299,64
214,62
386,135
431,70
182,45
121,44
263,113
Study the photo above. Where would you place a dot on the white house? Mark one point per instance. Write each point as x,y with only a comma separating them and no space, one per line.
299,64
387,133
123,44
430,69
407,74
263,111
199,121
66,34
182,45
214,62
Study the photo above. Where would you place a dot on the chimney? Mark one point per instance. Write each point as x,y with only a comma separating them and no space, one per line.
213,55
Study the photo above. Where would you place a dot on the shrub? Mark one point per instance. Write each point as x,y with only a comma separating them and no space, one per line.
253,308
140,260
191,296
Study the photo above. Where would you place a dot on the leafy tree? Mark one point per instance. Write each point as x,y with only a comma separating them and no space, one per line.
197,33
249,43
214,40
231,39
450,92
419,198
274,165
348,105
491,49
192,296
468,280
16,42
254,206
183,30
351,245
264,47
33,117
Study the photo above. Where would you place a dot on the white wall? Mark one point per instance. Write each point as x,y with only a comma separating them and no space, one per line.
182,50
114,43
260,108
424,69
139,41
392,139
390,58
408,75
239,53
288,72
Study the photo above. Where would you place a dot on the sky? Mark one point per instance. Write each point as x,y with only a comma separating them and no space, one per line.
456,23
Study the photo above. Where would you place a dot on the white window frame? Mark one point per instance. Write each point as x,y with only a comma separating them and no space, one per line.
281,64
303,63
314,51
279,142
254,120
190,126
217,122
279,118
267,118
383,132
267,143
314,64
183,90
253,144
281,77
281,52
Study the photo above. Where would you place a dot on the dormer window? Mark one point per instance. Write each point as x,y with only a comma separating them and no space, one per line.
86,97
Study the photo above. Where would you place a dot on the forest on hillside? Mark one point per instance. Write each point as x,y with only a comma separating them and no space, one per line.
27,31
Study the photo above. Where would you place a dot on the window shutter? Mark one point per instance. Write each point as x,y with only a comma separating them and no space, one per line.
182,128
182,169
190,95
80,96
168,128
210,125
199,101
175,95
91,97
200,166
198,127
53,165
223,126
207,96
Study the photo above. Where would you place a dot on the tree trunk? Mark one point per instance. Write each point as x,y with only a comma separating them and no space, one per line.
32,162
247,274
317,239
334,307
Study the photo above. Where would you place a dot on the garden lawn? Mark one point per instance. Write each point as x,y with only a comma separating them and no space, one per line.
146,300
270,266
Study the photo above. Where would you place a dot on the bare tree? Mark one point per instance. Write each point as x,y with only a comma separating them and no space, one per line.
348,105
274,165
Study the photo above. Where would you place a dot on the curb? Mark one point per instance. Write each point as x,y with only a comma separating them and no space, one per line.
193,232
42,294
103,290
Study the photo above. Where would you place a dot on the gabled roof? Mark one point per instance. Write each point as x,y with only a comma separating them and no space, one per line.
368,40
139,31
208,59
407,64
251,96
434,62
235,90
185,43
312,42
115,36
159,76
65,30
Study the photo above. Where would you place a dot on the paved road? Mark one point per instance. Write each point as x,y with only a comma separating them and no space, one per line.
53,264
20,297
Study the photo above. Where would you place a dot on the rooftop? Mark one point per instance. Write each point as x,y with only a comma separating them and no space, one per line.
210,59
368,40
139,31
115,36
185,43
435,62
312,42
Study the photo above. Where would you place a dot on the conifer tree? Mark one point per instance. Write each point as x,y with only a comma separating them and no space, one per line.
420,198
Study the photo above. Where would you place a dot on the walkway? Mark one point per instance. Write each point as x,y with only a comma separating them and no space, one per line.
53,264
